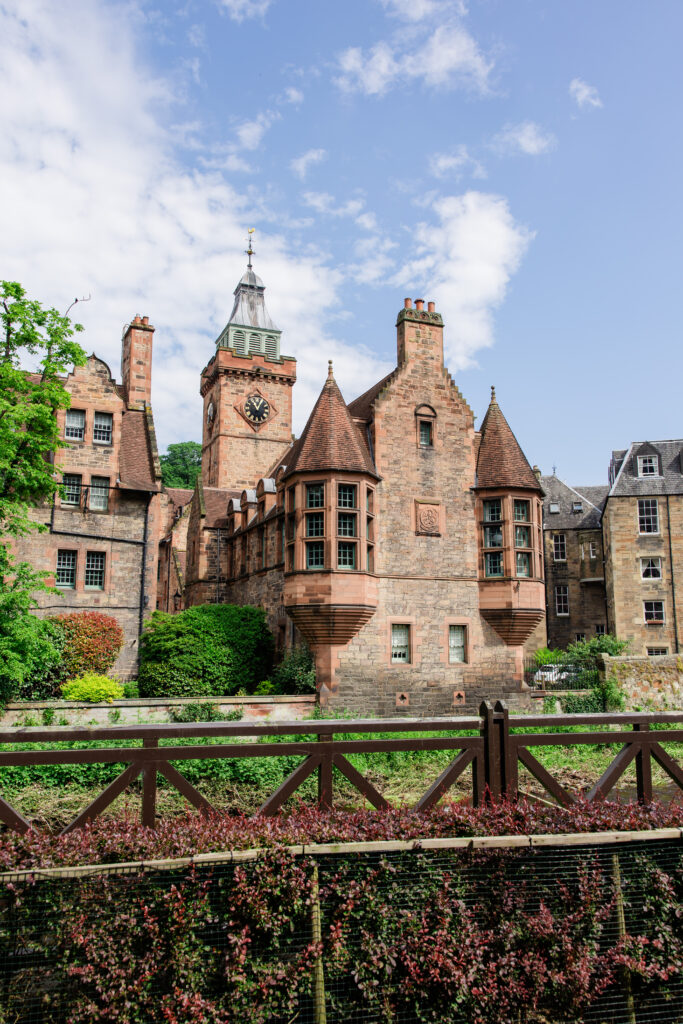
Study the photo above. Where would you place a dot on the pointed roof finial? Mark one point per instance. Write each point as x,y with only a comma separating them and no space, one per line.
249,251
330,374
493,393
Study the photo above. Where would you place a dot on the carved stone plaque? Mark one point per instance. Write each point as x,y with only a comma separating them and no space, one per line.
427,519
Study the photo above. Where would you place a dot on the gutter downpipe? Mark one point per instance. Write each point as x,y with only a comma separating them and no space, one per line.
673,583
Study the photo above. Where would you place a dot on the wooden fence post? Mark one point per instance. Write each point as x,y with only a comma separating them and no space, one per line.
325,797
643,766
149,787
319,1008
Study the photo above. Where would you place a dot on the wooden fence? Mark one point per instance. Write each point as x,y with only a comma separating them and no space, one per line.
493,751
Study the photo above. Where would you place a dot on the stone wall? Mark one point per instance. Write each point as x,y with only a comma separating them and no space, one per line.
648,683
583,576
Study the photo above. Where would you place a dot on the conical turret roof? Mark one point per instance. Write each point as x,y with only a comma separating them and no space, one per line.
500,460
330,439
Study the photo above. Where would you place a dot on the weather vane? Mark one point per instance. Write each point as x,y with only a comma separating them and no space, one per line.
249,251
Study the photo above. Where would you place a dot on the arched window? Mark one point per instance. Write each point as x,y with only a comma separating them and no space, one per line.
254,344
240,342
425,423
271,347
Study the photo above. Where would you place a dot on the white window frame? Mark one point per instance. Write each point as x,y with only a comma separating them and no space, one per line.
650,620
99,493
73,488
95,562
553,508
401,646
592,550
75,431
68,563
646,516
562,599
657,652
656,573
457,644
600,629
560,542
106,424
648,465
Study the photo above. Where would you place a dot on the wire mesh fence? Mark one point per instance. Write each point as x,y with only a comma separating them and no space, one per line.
532,935
563,673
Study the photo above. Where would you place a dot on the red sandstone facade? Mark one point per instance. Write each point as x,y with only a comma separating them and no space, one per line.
403,545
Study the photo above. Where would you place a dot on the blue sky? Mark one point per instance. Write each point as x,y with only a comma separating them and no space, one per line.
516,161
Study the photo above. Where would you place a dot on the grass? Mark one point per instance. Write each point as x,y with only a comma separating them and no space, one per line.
53,795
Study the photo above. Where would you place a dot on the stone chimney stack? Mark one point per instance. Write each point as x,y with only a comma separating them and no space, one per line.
136,362
419,334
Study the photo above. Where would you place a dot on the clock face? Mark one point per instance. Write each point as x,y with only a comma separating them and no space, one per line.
256,409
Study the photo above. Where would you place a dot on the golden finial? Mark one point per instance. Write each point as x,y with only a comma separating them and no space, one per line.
249,251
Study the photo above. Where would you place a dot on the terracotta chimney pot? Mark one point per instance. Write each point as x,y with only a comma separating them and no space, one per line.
145,319
408,303
419,304
430,307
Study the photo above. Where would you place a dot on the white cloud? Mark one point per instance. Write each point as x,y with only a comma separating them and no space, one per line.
455,164
323,202
196,36
293,95
419,10
301,164
527,138
464,262
583,94
240,10
449,57
96,202
250,133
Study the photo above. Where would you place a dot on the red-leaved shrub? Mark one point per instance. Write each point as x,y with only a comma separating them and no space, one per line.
92,642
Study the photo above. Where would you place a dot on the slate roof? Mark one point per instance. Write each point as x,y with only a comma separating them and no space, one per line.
330,439
560,493
216,506
180,496
625,469
500,460
136,463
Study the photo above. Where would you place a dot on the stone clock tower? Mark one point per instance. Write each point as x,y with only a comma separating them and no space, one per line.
247,393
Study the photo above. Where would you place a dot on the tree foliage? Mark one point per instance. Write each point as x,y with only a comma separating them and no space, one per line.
181,463
29,438
208,650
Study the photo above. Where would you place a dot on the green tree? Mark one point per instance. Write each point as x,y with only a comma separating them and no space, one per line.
181,464
29,438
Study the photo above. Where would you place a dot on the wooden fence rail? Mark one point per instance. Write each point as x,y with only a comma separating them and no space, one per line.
493,754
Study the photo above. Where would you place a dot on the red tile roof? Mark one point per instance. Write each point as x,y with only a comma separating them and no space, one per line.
361,407
330,439
136,462
180,496
500,461
216,505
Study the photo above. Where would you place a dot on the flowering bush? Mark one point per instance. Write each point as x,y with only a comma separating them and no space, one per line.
92,642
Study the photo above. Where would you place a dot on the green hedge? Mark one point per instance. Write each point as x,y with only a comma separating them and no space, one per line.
207,651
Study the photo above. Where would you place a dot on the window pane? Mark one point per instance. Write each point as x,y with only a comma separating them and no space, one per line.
562,600
346,555
315,555
75,424
493,563
102,428
493,537
654,611
560,547
456,644
72,489
523,564
315,495
425,433
371,558
651,568
521,511
492,511
346,524
400,643
522,537
647,465
99,493
657,652
66,569
94,570
648,516
346,495
600,629
315,524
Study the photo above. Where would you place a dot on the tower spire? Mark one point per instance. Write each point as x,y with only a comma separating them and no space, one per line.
249,251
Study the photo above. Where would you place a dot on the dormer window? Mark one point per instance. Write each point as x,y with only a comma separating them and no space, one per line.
647,465
577,506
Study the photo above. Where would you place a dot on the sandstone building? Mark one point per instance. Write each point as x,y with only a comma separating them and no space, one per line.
102,536
404,545
614,555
